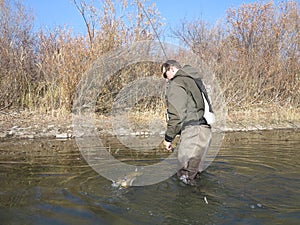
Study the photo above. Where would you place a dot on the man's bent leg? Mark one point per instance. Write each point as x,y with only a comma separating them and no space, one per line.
194,143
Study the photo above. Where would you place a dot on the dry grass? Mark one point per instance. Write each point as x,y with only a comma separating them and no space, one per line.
263,117
41,70
254,54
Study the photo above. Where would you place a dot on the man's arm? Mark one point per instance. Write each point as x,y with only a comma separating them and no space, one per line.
177,100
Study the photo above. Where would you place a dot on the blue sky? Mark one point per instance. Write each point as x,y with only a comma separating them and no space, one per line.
53,13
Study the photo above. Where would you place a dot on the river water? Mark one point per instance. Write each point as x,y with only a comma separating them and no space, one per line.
253,180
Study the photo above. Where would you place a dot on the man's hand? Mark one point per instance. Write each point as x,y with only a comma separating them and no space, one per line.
168,145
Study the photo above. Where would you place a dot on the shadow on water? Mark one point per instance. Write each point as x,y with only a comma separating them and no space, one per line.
253,180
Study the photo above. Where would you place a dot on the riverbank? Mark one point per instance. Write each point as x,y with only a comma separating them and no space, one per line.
58,125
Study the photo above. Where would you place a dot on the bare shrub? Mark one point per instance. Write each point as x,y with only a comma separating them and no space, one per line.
126,76
41,70
62,59
114,24
254,53
262,38
17,56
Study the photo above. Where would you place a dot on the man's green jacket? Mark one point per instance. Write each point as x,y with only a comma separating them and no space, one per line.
184,101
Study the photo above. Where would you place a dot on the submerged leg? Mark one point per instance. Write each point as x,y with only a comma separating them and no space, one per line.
194,143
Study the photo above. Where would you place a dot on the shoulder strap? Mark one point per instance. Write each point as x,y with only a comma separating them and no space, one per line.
202,88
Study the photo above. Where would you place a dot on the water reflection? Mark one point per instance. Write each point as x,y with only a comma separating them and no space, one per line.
253,180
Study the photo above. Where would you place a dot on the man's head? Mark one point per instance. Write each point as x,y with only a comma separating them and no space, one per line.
170,68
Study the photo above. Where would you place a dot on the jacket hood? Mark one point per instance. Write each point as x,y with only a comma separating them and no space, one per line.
188,70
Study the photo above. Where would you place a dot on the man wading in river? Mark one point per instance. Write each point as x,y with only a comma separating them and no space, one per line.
185,111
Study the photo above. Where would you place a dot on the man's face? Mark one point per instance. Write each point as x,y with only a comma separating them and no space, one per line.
168,74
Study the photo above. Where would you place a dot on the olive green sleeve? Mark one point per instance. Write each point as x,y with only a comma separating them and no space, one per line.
177,106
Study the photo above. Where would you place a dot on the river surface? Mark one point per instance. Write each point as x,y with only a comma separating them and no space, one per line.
253,180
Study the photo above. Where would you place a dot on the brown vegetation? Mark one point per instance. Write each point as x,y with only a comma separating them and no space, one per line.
41,70
254,53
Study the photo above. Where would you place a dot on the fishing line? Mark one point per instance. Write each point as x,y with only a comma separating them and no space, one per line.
153,28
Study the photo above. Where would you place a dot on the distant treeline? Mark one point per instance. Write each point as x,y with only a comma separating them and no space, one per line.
254,52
